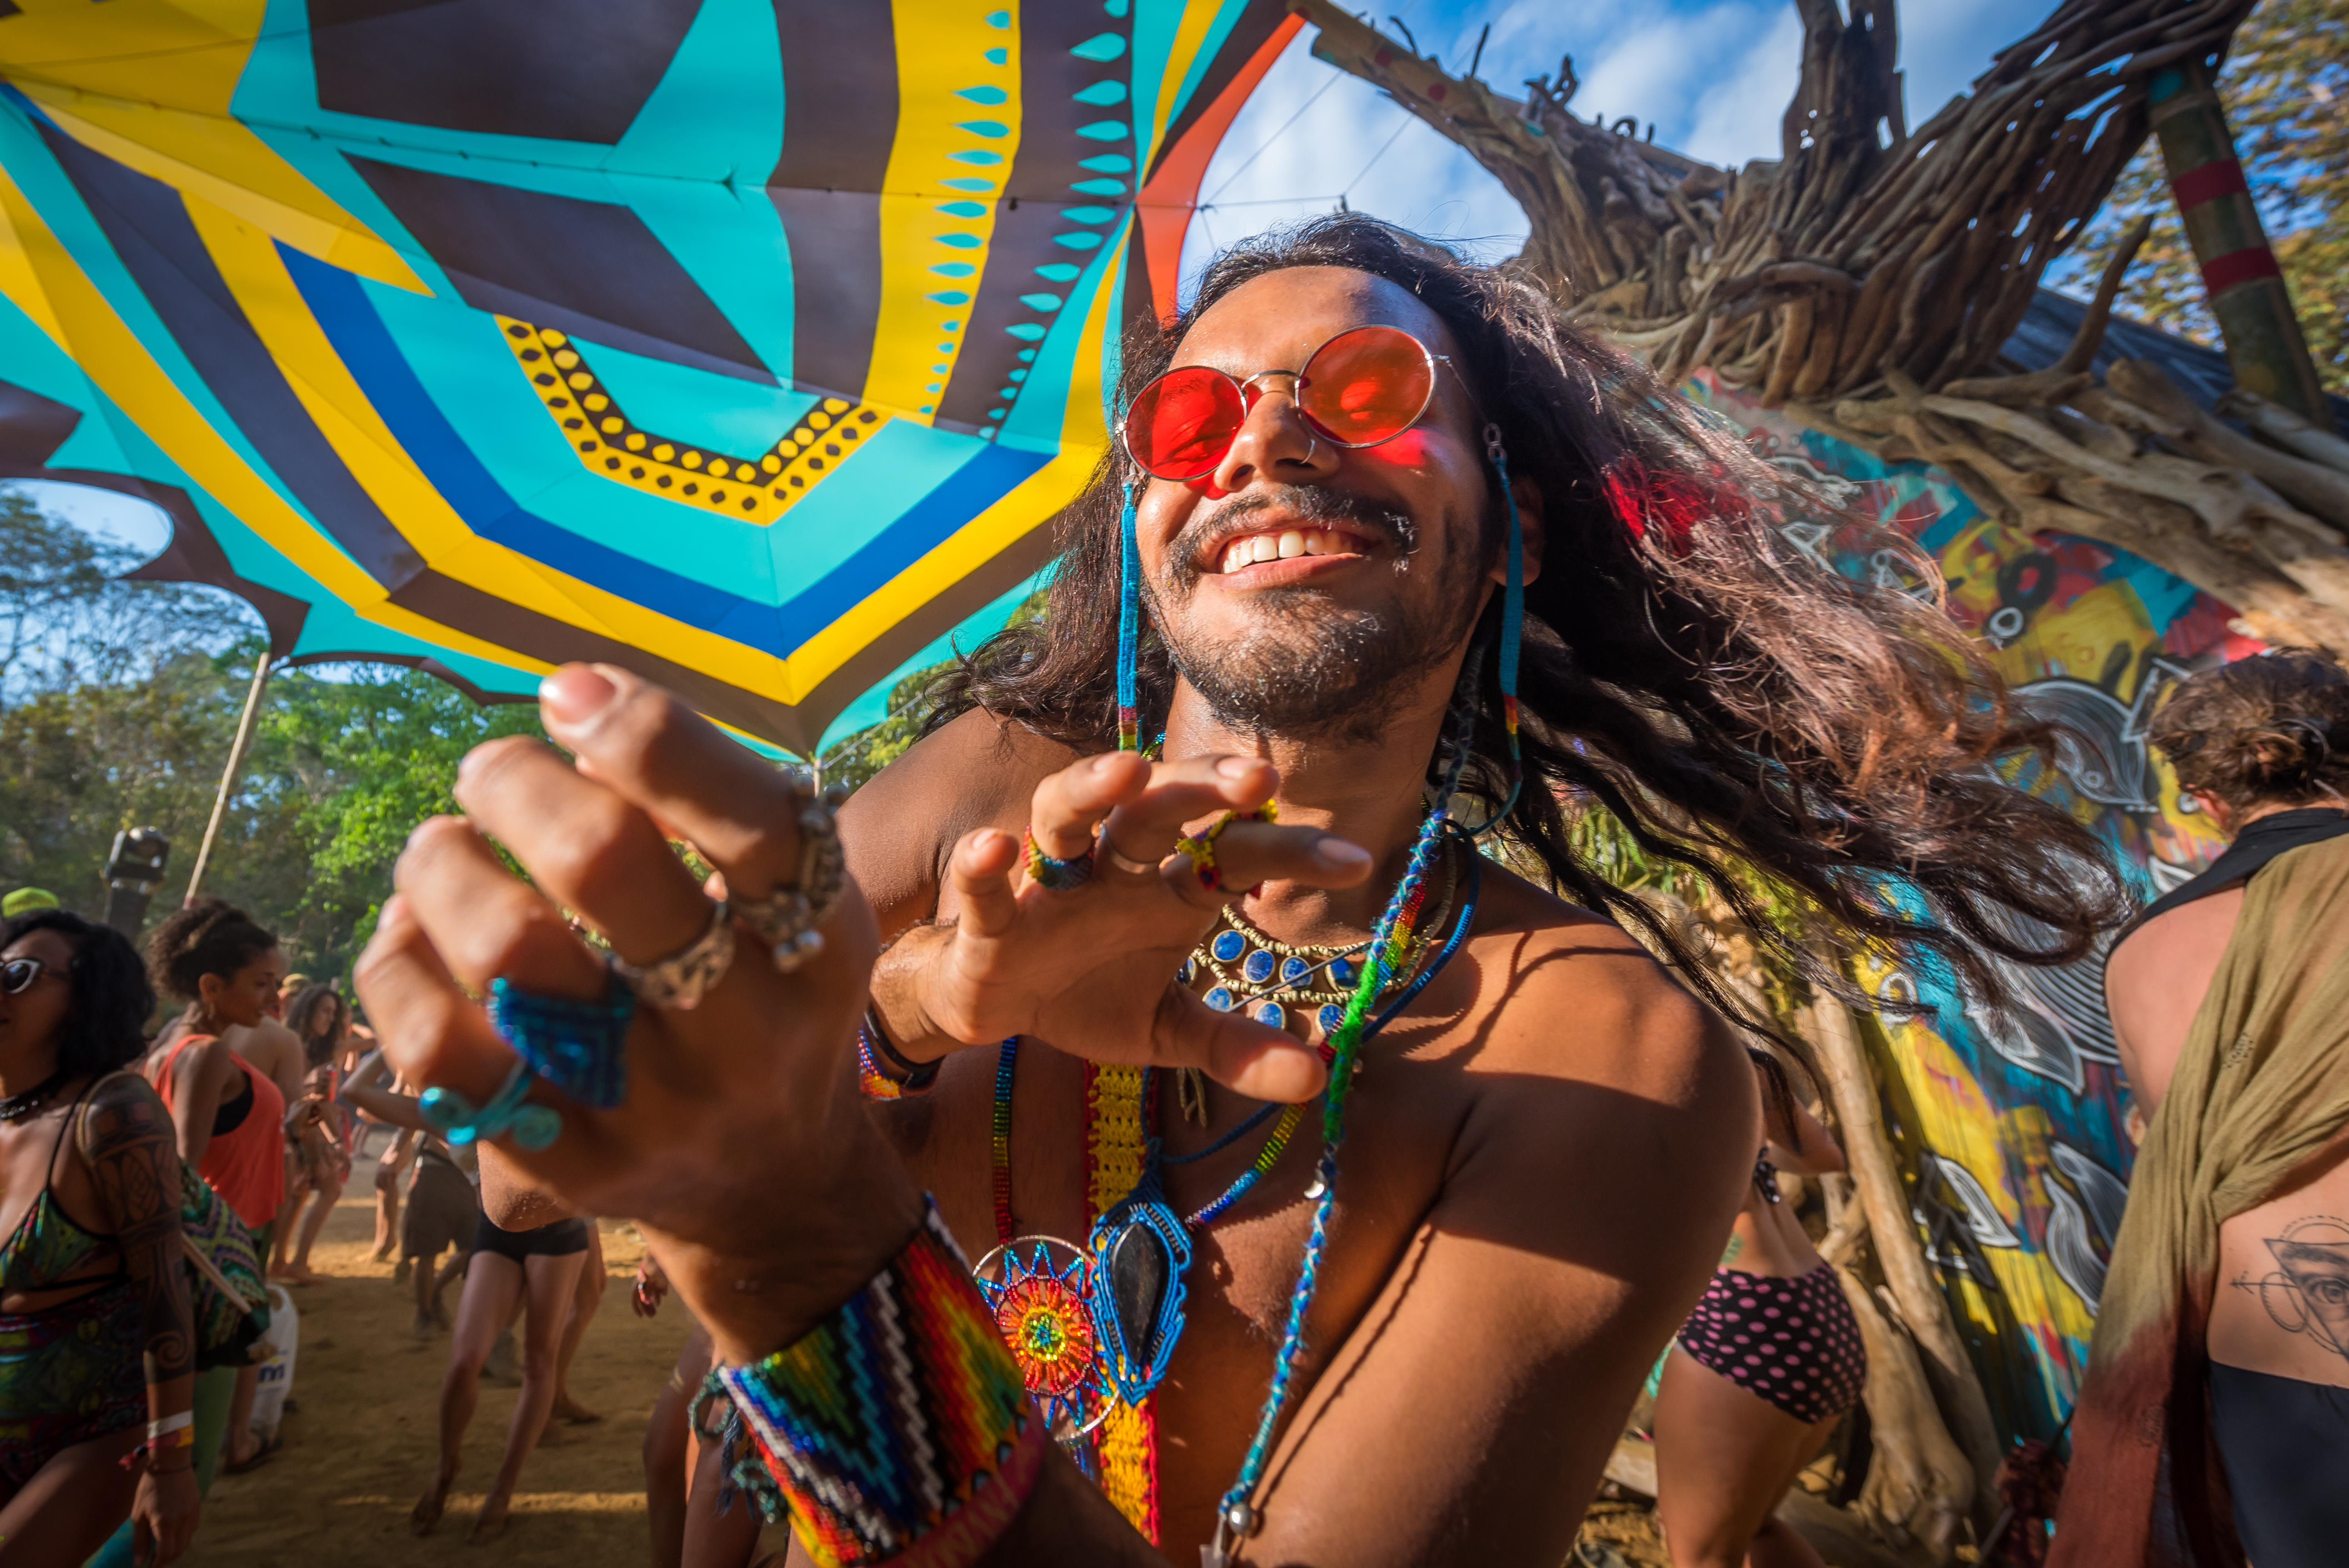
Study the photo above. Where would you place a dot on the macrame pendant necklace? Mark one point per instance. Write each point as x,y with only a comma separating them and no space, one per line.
1094,1329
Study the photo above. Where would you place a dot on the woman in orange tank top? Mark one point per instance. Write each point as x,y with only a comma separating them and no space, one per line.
229,1116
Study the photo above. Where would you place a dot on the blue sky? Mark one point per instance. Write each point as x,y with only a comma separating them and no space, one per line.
1713,77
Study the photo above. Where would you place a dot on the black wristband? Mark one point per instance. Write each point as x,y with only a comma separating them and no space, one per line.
913,1076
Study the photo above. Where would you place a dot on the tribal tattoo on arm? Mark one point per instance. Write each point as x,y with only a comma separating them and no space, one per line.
134,1158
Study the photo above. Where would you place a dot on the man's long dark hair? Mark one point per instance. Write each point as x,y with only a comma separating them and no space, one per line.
1725,694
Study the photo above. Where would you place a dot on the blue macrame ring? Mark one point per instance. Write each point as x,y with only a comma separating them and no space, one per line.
460,1121
580,1048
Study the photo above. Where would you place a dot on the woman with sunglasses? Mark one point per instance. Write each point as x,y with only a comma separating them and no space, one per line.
97,1332
230,1116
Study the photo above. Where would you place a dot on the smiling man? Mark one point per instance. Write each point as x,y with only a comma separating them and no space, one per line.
1389,560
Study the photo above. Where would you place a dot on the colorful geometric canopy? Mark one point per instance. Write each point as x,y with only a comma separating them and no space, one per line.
745,343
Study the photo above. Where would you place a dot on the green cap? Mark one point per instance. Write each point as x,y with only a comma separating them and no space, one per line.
25,900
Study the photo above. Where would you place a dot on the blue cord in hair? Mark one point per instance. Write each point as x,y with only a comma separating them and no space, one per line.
1129,629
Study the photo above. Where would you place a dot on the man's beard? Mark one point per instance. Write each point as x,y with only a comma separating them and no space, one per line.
1311,669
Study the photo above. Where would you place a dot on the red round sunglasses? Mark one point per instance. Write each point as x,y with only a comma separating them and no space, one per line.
1363,386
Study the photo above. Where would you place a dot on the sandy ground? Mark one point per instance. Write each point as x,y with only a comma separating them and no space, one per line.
361,1445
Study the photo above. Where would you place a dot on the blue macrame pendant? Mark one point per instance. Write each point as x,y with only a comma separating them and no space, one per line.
580,1048
1141,1251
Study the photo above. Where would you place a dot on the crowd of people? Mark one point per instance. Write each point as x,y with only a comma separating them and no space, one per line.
1388,559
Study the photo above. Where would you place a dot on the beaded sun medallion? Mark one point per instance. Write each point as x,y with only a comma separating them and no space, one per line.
1039,1288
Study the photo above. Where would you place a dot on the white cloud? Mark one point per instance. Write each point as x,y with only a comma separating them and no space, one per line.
1738,120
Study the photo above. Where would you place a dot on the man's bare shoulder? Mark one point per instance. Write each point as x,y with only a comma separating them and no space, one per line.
1588,1069
1574,996
974,771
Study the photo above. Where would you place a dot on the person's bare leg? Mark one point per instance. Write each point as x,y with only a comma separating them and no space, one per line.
452,1271
425,1293
582,1308
387,1218
668,1448
288,1212
328,1192
551,1282
715,1540
1724,1459
243,1443
1778,1544
72,1504
491,1287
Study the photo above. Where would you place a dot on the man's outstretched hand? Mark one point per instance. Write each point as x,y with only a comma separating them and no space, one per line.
1091,969
740,1142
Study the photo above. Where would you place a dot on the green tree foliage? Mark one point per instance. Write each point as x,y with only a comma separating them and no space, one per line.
124,699
2286,86
343,764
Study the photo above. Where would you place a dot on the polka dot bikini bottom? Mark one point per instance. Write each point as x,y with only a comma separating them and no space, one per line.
1792,1341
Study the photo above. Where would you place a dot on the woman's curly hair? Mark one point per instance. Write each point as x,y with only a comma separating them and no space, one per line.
2273,730
106,1018
1721,689
210,936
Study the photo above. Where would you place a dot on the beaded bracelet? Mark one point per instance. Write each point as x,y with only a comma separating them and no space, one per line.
881,1071
897,1430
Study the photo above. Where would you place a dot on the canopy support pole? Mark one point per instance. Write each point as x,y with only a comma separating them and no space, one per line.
228,775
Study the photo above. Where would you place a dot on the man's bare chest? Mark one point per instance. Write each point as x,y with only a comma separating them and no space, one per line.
1404,1124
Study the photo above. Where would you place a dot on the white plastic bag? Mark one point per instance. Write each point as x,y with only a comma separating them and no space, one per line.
277,1372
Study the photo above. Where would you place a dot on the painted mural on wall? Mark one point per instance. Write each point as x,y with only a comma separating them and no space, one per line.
2015,1124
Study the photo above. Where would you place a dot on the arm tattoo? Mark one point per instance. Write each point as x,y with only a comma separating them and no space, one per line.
135,1161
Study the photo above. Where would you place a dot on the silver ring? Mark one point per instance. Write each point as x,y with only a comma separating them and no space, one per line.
1312,445
786,918
1131,867
683,978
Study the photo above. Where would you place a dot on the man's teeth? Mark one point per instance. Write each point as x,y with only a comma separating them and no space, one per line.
1284,546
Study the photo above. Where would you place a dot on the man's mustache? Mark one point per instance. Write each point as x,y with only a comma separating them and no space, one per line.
1310,506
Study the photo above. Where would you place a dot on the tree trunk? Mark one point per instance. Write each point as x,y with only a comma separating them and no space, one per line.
1924,1311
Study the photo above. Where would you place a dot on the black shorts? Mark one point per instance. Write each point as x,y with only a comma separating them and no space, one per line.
558,1240
443,1211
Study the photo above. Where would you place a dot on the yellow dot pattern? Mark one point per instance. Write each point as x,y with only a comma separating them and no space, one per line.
610,445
